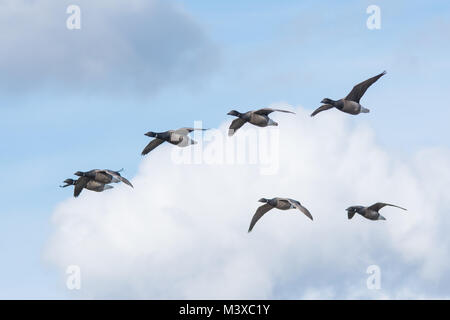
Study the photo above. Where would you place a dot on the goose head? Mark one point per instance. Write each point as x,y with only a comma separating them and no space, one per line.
68,182
352,209
327,101
79,173
234,113
151,134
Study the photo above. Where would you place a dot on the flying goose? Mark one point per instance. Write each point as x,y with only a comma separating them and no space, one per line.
104,176
87,183
371,212
279,203
177,137
258,118
350,104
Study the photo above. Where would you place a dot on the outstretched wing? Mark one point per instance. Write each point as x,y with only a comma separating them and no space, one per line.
359,90
79,185
258,214
299,206
126,181
235,125
321,108
117,175
152,145
377,206
186,131
266,111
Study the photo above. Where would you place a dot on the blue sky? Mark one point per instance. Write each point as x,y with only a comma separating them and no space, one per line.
58,118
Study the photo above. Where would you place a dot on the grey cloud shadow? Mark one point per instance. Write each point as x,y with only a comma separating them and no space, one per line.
127,47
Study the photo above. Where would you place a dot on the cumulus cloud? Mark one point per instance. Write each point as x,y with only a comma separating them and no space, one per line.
139,46
182,232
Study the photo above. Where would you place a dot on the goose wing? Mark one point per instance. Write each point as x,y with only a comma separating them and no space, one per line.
126,181
321,108
258,214
187,130
377,206
79,185
299,206
152,145
359,90
118,176
235,125
267,111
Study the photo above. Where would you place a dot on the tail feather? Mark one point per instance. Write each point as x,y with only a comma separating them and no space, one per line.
364,110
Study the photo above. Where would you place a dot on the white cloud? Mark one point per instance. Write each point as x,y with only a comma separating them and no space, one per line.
138,46
182,231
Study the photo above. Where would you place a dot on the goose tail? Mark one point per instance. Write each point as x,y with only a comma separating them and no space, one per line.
364,110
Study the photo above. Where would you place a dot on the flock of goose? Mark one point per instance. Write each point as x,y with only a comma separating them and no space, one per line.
99,180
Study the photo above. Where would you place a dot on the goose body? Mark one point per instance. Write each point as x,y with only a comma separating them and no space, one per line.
350,104
259,118
104,176
278,203
177,137
347,106
370,212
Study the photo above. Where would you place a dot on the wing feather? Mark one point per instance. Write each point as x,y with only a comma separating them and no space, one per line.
79,185
117,175
152,145
321,108
235,125
258,214
377,206
359,90
186,130
267,111
299,206
126,181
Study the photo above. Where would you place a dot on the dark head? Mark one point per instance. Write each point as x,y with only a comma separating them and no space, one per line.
327,101
151,134
352,210
79,173
234,113
264,200
68,182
